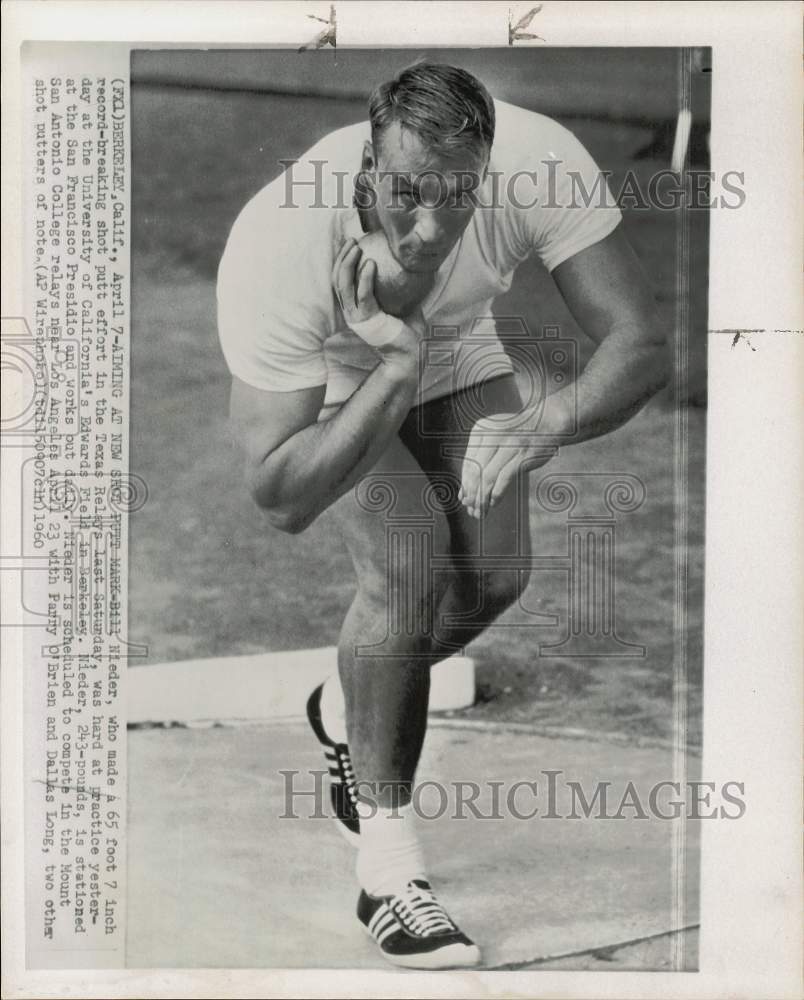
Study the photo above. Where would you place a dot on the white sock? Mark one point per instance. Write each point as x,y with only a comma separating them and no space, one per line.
333,710
390,854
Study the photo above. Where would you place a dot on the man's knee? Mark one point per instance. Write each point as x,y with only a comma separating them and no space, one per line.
501,589
407,581
487,594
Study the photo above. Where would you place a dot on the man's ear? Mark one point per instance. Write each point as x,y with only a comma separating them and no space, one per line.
369,161
365,191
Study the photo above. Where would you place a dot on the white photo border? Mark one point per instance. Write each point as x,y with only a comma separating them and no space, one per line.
751,872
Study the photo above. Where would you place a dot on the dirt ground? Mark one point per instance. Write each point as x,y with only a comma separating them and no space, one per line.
270,882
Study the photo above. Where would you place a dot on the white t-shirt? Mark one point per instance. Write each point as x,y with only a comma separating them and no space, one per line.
280,325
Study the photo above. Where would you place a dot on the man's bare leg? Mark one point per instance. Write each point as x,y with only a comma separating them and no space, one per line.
478,593
386,695
386,689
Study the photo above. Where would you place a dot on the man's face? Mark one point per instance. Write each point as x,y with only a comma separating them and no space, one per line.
424,201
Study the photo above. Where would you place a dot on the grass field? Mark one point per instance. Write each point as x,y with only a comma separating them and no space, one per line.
208,577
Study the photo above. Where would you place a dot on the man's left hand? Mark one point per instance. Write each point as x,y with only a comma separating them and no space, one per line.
506,445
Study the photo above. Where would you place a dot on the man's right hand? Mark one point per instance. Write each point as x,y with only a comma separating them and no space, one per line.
353,283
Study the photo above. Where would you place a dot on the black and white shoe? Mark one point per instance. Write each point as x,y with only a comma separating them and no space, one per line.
342,790
414,930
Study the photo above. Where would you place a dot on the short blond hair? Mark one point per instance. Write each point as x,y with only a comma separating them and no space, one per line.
449,109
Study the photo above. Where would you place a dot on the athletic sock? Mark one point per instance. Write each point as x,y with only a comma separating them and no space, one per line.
333,711
390,854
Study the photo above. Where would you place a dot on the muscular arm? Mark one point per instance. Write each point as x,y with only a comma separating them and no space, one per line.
608,294
295,467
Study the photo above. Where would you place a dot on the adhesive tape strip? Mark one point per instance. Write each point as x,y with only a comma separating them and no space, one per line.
379,330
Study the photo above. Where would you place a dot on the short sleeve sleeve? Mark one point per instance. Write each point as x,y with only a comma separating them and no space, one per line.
572,208
274,299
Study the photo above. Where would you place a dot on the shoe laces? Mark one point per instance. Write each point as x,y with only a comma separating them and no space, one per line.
345,761
420,911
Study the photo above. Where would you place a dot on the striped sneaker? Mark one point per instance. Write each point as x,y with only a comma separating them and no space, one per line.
342,791
414,930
